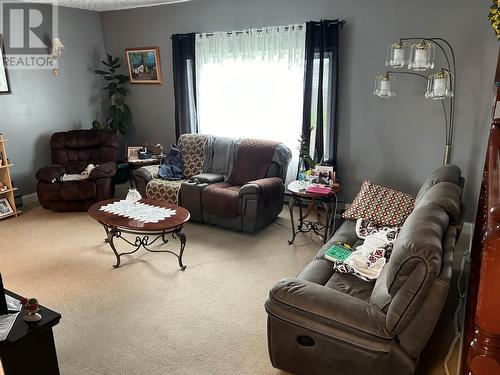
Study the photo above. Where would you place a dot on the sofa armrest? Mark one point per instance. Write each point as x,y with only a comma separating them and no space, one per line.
104,170
269,186
148,172
208,178
143,175
50,173
302,301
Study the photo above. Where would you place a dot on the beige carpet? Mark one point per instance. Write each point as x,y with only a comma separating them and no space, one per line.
147,317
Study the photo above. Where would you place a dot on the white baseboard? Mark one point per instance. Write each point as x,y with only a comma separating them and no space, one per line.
30,198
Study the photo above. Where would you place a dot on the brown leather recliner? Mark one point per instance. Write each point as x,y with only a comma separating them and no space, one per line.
325,322
71,152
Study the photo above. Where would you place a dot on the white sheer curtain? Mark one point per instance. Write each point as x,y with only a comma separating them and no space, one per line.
250,84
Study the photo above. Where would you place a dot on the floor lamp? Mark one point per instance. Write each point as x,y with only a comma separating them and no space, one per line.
415,55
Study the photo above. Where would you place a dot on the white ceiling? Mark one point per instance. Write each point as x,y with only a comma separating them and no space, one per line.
103,5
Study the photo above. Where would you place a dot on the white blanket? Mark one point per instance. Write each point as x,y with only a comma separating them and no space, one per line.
78,176
367,261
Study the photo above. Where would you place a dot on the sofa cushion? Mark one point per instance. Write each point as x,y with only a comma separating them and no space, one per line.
221,199
192,148
163,190
382,205
414,265
352,285
77,148
253,158
446,173
419,241
77,190
446,195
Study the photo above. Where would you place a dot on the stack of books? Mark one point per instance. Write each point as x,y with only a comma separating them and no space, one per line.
319,189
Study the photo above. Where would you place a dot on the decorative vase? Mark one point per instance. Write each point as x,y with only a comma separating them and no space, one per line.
133,196
32,316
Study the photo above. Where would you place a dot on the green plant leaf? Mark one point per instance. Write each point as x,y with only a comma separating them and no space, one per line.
96,125
118,113
126,110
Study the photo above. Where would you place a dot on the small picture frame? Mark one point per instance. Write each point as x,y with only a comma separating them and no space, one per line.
4,78
144,65
324,169
133,152
5,208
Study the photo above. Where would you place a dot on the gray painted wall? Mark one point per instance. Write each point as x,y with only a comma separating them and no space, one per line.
395,142
41,104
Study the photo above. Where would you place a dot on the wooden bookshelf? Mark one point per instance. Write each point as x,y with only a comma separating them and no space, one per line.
7,181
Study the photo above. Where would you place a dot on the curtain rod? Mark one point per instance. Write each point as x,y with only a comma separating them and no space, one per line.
259,30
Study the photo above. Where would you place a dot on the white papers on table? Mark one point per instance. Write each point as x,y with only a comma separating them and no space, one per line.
139,211
12,303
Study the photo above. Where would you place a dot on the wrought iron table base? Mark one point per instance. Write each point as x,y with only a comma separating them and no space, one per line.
143,240
306,226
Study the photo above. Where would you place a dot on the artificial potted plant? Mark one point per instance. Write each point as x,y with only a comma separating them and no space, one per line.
117,112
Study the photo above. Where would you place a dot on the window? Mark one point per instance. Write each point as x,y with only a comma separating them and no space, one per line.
254,91
327,102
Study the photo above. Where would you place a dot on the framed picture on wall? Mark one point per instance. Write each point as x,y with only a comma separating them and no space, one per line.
144,65
5,208
4,79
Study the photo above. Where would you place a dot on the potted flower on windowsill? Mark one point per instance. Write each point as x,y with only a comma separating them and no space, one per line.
306,162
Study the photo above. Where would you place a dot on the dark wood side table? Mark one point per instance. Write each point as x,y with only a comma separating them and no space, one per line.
29,347
322,226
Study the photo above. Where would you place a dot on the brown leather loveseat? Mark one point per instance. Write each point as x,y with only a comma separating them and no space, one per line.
325,322
71,152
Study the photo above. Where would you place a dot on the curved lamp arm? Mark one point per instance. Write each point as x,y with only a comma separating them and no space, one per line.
449,54
442,103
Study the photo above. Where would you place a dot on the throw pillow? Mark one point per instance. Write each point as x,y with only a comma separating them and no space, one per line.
380,204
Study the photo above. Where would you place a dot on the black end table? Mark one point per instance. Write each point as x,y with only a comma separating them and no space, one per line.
29,348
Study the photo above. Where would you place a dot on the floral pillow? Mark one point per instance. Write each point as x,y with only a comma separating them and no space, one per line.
381,205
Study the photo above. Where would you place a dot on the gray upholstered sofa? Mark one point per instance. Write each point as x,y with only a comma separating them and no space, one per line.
206,189
324,322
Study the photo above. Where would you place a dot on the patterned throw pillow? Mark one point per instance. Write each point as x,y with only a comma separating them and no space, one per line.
192,148
380,204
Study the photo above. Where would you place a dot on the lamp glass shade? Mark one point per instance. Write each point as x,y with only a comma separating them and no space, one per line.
397,55
439,85
384,85
422,56
57,48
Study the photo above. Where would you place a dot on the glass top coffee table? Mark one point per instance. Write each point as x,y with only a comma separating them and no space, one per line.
146,234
